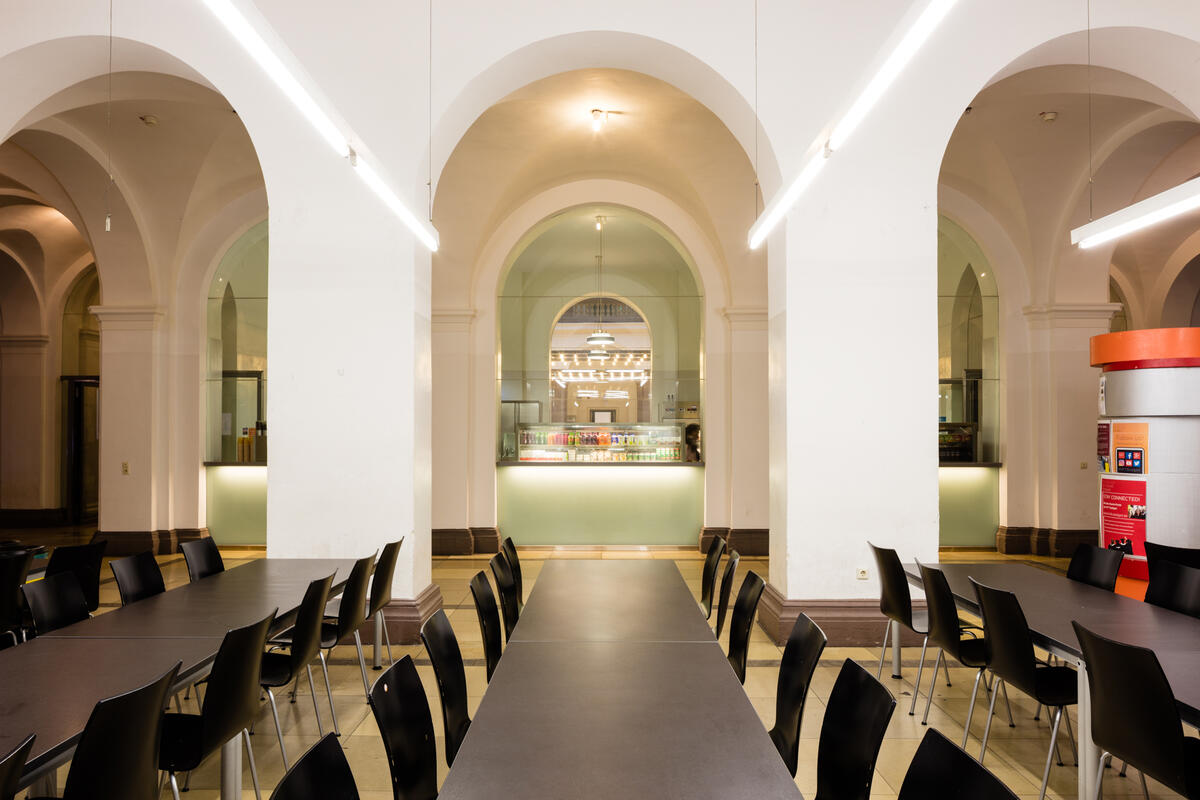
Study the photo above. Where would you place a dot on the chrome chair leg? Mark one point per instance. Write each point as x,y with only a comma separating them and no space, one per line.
932,684
295,683
971,707
1124,768
887,628
920,666
174,786
1037,714
987,728
1050,754
387,639
312,688
1071,738
187,781
1008,706
1104,757
1145,790
253,769
945,666
329,692
278,728
362,662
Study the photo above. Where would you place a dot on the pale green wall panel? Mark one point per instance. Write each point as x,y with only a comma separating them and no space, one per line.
969,502
237,504
600,505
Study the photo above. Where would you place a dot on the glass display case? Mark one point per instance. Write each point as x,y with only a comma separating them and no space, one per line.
601,444
957,442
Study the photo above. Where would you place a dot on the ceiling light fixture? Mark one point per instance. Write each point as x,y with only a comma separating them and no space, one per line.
600,338
916,35
256,47
599,119
1142,214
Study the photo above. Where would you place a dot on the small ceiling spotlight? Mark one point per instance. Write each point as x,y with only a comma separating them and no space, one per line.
149,120
1048,116
599,119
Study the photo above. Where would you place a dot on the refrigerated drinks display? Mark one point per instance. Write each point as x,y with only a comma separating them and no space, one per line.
600,444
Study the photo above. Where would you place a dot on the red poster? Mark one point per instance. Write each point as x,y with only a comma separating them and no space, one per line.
1123,522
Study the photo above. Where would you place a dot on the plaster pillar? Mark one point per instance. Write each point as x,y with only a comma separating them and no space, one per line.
451,415
749,429
23,412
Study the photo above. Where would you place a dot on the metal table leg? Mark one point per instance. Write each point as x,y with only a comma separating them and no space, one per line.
1089,754
377,657
231,768
896,669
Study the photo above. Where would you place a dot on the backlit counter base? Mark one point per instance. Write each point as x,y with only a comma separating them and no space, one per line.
610,504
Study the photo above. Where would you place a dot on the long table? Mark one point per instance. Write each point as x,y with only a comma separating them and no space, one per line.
613,686
48,686
1051,601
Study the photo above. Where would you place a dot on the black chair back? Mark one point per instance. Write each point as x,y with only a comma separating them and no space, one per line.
1174,586
1009,643
11,767
442,647
489,620
55,602
402,715
306,635
231,700
203,558
741,622
941,768
716,549
895,602
1095,566
510,552
726,588
944,628
385,571
506,585
1188,556
1134,715
85,560
804,646
856,718
117,755
138,577
321,774
14,568
353,609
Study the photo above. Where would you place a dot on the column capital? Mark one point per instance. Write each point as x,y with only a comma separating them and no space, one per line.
453,318
1070,315
746,317
19,343
133,318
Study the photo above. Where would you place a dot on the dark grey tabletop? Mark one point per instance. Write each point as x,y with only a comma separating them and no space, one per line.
1050,601
210,607
641,600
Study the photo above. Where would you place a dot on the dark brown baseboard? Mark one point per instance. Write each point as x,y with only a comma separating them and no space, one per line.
404,617
128,543
452,542
846,623
1039,542
485,540
1062,544
750,541
1013,541
708,534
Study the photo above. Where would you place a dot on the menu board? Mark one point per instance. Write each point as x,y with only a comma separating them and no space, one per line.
1123,522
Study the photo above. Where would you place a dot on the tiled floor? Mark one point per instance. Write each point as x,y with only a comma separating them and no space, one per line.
1017,754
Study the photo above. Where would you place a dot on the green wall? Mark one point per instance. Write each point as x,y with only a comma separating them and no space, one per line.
600,505
969,505
237,504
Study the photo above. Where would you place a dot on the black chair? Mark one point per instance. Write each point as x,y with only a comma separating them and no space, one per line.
946,633
506,585
1187,556
489,620
381,589
509,549
280,669
11,767
55,602
202,557
742,620
1134,714
716,548
442,647
1010,647
402,715
895,603
138,577
230,705
940,769
117,754
322,773
14,568
1174,586
804,646
726,588
1095,566
856,718
85,560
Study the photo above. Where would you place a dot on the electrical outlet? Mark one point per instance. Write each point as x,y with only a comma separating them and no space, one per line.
124,467
1083,465
861,574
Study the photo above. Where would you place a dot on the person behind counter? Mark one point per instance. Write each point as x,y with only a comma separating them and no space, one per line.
691,438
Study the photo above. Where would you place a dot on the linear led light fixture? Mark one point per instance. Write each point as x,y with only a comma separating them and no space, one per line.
912,40
1142,214
257,48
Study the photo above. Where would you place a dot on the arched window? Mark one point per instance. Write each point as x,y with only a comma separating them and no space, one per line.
605,381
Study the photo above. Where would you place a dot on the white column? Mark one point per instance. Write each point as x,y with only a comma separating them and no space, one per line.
451,417
749,429
24,408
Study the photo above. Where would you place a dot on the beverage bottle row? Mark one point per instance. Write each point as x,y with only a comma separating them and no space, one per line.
599,438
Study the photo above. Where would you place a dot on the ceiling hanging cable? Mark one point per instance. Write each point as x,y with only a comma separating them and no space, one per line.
1091,166
108,126
757,193
429,177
